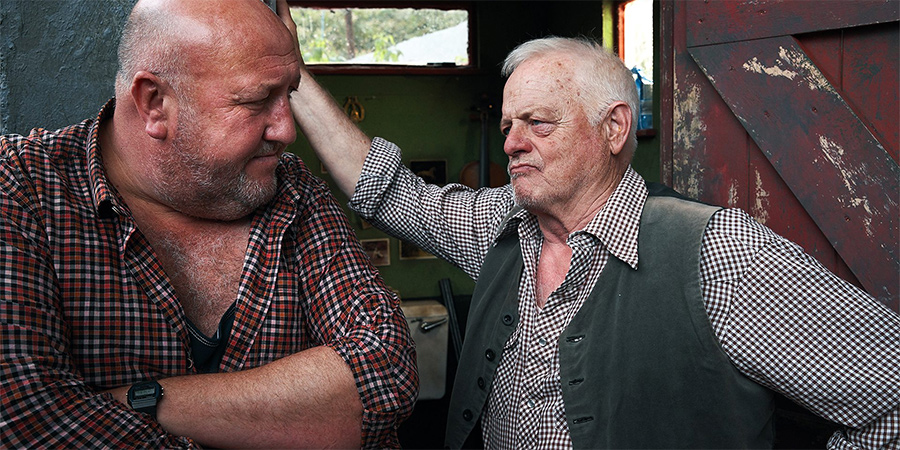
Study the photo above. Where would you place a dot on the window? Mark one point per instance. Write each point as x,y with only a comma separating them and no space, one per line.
382,37
635,45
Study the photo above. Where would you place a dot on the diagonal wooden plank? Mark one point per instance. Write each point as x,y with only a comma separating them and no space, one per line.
717,22
838,171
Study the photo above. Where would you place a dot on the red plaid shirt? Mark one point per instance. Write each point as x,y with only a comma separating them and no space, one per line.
85,305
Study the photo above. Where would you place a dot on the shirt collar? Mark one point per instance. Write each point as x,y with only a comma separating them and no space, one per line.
105,201
616,225
511,222
618,222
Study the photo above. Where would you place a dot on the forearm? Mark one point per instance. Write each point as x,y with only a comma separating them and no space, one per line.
308,399
452,222
337,141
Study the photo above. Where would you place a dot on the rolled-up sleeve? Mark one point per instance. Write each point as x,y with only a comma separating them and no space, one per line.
351,310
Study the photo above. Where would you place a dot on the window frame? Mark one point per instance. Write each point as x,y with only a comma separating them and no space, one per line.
398,69
619,49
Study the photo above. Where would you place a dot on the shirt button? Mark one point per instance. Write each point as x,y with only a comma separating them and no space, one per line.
467,415
481,383
531,403
489,354
542,341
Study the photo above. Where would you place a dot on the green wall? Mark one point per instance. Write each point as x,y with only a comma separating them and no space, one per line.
430,118
433,117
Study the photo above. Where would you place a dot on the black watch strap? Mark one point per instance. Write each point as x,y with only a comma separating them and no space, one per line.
144,396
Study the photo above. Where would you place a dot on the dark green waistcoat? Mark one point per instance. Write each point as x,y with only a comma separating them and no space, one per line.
640,366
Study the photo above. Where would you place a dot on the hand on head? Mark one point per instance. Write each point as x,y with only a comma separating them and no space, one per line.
284,13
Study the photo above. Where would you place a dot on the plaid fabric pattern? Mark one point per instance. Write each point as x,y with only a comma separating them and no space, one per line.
783,319
85,305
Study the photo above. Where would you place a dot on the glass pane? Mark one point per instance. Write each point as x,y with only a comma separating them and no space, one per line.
403,36
638,51
638,54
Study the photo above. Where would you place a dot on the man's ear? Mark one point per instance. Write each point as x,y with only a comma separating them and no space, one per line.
152,99
617,126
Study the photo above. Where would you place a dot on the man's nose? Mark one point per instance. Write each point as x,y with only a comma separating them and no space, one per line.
281,126
516,140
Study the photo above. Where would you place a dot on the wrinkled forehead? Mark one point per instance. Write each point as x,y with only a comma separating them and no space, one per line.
553,73
230,45
549,80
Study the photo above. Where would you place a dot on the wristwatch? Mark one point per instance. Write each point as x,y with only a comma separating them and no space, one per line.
144,396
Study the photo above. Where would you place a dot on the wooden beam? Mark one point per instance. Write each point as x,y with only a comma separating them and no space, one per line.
836,168
716,22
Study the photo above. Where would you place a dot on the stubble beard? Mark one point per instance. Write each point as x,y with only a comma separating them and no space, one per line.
529,201
194,184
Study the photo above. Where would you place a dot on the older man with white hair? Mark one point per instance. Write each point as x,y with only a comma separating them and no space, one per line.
609,312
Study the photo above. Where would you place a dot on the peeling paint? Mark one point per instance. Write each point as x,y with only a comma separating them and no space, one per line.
835,155
812,76
733,195
761,202
755,66
690,128
687,114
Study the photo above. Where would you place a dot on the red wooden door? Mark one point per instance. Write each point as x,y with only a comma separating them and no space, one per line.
789,110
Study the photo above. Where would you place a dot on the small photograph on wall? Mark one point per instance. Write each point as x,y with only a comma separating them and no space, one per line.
379,251
412,251
433,171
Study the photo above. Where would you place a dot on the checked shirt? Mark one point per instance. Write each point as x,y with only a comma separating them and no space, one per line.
85,305
783,319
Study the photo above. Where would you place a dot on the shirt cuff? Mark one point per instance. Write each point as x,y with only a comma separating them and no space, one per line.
379,169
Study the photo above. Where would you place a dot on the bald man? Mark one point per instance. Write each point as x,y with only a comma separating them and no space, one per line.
172,278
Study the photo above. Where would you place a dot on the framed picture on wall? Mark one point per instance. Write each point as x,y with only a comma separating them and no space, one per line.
379,251
412,251
433,171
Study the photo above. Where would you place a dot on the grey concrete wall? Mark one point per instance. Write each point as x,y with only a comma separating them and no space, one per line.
57,60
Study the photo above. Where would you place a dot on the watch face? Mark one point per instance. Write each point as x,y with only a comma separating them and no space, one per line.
144,391
144,395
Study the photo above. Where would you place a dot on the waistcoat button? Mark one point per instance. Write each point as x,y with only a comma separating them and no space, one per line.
467,415
489,354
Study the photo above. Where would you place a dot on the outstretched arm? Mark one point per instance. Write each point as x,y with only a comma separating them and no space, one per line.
338,142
